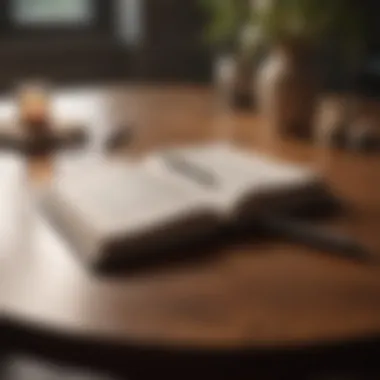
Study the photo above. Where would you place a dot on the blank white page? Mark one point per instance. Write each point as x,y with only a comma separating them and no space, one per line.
238,172
14,202
119,197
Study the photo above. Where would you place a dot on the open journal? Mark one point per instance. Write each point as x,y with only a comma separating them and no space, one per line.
118,210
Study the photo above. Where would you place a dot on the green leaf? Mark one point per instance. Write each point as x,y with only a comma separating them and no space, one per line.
311,21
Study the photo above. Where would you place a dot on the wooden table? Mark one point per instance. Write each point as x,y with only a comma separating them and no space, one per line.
266,294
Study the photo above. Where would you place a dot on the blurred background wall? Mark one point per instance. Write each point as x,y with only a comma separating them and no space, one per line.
124,39
141,39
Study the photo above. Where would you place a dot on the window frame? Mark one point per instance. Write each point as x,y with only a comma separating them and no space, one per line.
101,26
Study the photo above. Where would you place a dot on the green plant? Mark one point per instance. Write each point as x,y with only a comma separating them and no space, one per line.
308,21
226,20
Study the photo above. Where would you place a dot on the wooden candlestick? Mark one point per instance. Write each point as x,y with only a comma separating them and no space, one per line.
34,103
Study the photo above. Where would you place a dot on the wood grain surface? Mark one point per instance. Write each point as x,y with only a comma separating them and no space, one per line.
247,294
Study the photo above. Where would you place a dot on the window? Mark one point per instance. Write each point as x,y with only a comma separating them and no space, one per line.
35,16
53,12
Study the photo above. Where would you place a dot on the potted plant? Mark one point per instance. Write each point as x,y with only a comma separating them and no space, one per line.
286,86
230,32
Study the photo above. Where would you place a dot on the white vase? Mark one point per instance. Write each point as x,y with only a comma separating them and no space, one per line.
285,91
233,80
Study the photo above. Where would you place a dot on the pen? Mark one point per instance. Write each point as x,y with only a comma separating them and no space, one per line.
315,237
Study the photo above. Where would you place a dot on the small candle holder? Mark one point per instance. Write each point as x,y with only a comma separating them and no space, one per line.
37,132
34,101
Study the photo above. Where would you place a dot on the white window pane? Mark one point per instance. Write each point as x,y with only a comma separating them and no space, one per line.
56,12
129,20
